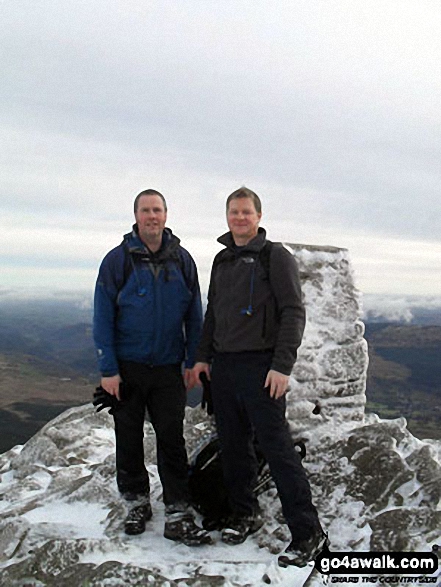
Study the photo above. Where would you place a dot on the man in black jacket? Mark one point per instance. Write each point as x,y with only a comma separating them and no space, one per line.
252,329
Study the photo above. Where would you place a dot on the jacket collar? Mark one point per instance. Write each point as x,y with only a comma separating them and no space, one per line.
254,246
169,244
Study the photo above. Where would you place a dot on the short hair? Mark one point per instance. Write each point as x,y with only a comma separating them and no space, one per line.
244,192
149,192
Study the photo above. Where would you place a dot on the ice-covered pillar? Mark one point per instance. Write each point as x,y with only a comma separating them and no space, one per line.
329,378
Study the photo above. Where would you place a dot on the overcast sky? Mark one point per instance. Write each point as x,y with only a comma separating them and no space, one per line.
329,110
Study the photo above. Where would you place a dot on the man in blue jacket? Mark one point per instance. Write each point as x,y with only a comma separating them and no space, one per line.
147,321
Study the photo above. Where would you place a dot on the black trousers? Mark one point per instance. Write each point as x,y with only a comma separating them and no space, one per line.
161,390
244,409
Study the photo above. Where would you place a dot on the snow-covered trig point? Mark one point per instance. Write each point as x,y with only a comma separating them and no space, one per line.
329,377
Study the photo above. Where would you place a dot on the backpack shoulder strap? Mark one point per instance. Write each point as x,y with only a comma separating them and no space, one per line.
128,264
222,257
127,267
265,256
265,260
184,267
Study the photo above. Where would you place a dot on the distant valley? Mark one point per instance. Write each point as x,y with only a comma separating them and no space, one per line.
404,375
47,364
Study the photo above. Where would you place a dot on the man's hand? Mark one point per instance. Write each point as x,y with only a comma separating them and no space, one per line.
111,385
190,379
201,368
277,383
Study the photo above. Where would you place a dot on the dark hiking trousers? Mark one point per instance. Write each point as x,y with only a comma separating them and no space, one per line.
161,390
243,408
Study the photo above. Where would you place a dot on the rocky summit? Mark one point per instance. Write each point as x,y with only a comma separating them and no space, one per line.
377,488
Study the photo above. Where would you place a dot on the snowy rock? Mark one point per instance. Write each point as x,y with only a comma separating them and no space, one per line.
375,485
369,467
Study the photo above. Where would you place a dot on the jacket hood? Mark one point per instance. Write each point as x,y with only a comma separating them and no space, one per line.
254,245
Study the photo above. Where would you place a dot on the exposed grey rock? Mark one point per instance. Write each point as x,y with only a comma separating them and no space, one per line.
368,466
68,572
41,452
428,474
402,529
12,533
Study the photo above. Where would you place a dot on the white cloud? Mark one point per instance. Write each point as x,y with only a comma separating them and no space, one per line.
330,110
398,308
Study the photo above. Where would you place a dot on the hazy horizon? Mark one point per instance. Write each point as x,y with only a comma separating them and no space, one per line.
391,307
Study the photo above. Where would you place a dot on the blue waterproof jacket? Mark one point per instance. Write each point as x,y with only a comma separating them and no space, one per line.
147,306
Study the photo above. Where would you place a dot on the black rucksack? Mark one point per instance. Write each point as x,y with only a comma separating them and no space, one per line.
206,482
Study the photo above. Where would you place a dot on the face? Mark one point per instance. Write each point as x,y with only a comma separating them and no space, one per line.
243,220
150,217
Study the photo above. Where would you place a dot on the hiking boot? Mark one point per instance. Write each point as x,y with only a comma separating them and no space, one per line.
301,553
238,528
136,519
181,527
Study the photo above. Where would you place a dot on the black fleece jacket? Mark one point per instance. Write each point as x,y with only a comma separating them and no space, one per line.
249,310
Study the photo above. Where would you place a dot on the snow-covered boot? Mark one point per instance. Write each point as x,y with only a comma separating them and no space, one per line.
301,553
136,518
181,527
238,528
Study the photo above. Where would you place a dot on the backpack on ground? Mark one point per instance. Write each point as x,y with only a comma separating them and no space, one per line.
207,489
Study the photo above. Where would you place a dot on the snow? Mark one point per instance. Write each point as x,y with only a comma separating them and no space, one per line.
70,519
244,564
52,507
